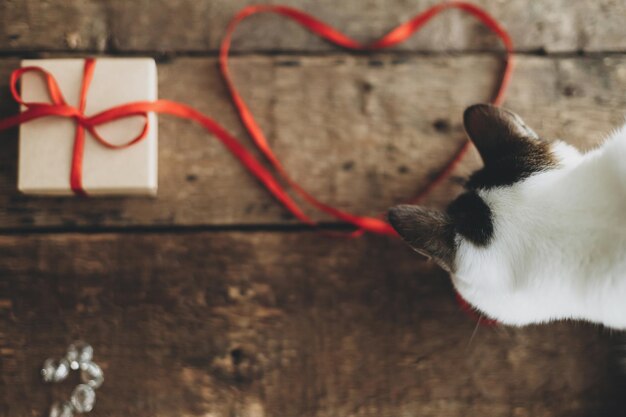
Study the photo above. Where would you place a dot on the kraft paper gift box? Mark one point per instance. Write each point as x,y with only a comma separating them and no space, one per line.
46,144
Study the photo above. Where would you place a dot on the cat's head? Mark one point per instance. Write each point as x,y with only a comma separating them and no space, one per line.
460,238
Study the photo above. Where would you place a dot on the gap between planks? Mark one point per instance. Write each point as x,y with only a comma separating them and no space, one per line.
183,229
164,56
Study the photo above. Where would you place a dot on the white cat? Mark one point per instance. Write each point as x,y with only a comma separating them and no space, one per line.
539,234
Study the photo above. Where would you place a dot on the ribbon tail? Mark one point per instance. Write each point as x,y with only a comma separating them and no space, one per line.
76,172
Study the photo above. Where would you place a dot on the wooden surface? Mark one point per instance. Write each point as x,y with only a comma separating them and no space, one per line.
361,133
173,26
211,301
279,324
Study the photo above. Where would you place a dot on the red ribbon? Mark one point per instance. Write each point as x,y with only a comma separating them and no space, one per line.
59,108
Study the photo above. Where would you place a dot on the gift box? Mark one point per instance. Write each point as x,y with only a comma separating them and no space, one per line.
47,145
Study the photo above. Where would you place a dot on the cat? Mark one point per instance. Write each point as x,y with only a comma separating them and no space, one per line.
539,233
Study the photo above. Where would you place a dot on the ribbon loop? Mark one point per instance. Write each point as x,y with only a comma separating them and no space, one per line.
90,125
53,90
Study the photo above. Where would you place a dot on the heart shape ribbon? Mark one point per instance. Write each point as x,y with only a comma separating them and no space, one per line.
59,108
394,37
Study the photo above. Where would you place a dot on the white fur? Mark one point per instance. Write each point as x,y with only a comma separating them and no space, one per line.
559,246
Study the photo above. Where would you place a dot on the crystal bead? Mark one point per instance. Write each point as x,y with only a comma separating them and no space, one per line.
91,374
55,370
61,409
83,398
79,352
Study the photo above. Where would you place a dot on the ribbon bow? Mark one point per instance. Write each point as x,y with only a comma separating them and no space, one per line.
59,107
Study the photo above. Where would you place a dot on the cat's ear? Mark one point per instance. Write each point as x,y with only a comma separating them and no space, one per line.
429,232
497,132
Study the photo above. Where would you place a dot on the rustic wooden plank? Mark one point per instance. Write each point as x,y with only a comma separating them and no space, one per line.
361,133
277,324
197,26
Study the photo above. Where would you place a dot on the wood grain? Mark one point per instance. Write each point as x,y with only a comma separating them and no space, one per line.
277,324
361,133
175,26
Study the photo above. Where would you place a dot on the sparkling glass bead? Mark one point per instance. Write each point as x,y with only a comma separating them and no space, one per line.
79,352
63,409
83,398
91,374
55,370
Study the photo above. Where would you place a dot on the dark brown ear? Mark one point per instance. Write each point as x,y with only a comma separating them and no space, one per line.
429,232
497,132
